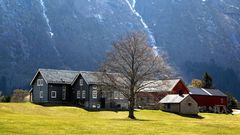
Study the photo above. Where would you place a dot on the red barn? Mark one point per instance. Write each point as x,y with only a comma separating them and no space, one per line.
154,91
209,99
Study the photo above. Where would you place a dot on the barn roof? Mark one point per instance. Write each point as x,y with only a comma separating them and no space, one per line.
205,92
174,98
57,76
159,85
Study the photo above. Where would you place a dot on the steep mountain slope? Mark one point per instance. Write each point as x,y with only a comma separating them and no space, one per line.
197,35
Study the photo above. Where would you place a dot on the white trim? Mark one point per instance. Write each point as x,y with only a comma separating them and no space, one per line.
206,92
36,76
64,92
40,82
78,94
81,81
115,94
83,94
74,80
53,96
41,94
121,96
94,94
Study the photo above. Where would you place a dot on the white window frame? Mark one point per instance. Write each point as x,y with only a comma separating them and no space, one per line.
78,94
84,94
94,87
53,96
81,82
115,94
64,92
121,96
40,94
39,82
94,94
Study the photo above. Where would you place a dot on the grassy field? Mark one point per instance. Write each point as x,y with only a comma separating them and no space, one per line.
27,118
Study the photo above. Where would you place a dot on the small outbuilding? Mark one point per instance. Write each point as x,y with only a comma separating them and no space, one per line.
182,104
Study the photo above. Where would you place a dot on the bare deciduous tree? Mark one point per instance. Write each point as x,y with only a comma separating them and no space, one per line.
133,62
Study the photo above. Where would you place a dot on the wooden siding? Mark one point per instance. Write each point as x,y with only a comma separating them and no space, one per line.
180,86
76,87
59,88
36,91
189,106
204,100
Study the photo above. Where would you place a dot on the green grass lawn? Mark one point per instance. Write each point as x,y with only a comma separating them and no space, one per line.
27,118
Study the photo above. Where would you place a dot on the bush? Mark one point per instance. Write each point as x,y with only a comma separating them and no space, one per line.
19,95
232,102
5,99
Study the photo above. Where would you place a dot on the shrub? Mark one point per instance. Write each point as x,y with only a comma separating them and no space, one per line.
232,102
19,95
5,99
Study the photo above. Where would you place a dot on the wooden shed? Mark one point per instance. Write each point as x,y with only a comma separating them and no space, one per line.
182,104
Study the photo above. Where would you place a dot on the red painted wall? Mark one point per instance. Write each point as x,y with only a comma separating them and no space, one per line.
209,100
180,86
157,96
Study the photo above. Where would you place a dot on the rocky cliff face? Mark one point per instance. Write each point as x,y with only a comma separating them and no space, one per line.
198,35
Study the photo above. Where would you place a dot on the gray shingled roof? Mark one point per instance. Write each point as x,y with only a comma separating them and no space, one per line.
159,85
58,76
205,92
175,98
91,77
95,77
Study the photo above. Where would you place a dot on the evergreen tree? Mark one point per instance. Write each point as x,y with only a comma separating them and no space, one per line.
207,81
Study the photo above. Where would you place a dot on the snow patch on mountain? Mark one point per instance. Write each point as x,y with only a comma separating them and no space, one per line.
44,10
134,11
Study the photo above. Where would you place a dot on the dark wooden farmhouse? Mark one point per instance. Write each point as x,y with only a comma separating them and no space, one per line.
88,93
75,88
154,91
53,86
182,104
209,99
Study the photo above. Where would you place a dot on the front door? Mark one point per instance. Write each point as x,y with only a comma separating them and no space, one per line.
102,102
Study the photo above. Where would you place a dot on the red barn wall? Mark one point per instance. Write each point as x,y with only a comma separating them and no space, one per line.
155,97
203,100
180,86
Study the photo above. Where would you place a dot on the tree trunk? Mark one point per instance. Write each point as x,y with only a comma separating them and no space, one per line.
131,108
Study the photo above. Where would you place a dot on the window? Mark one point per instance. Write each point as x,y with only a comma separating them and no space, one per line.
40,82
189,104
64,92
121,96
41,94
78,94
168,106
115,94
83,94
81,82
94,87
53,94
94,94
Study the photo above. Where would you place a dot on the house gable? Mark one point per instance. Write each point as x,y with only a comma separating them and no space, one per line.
180,87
